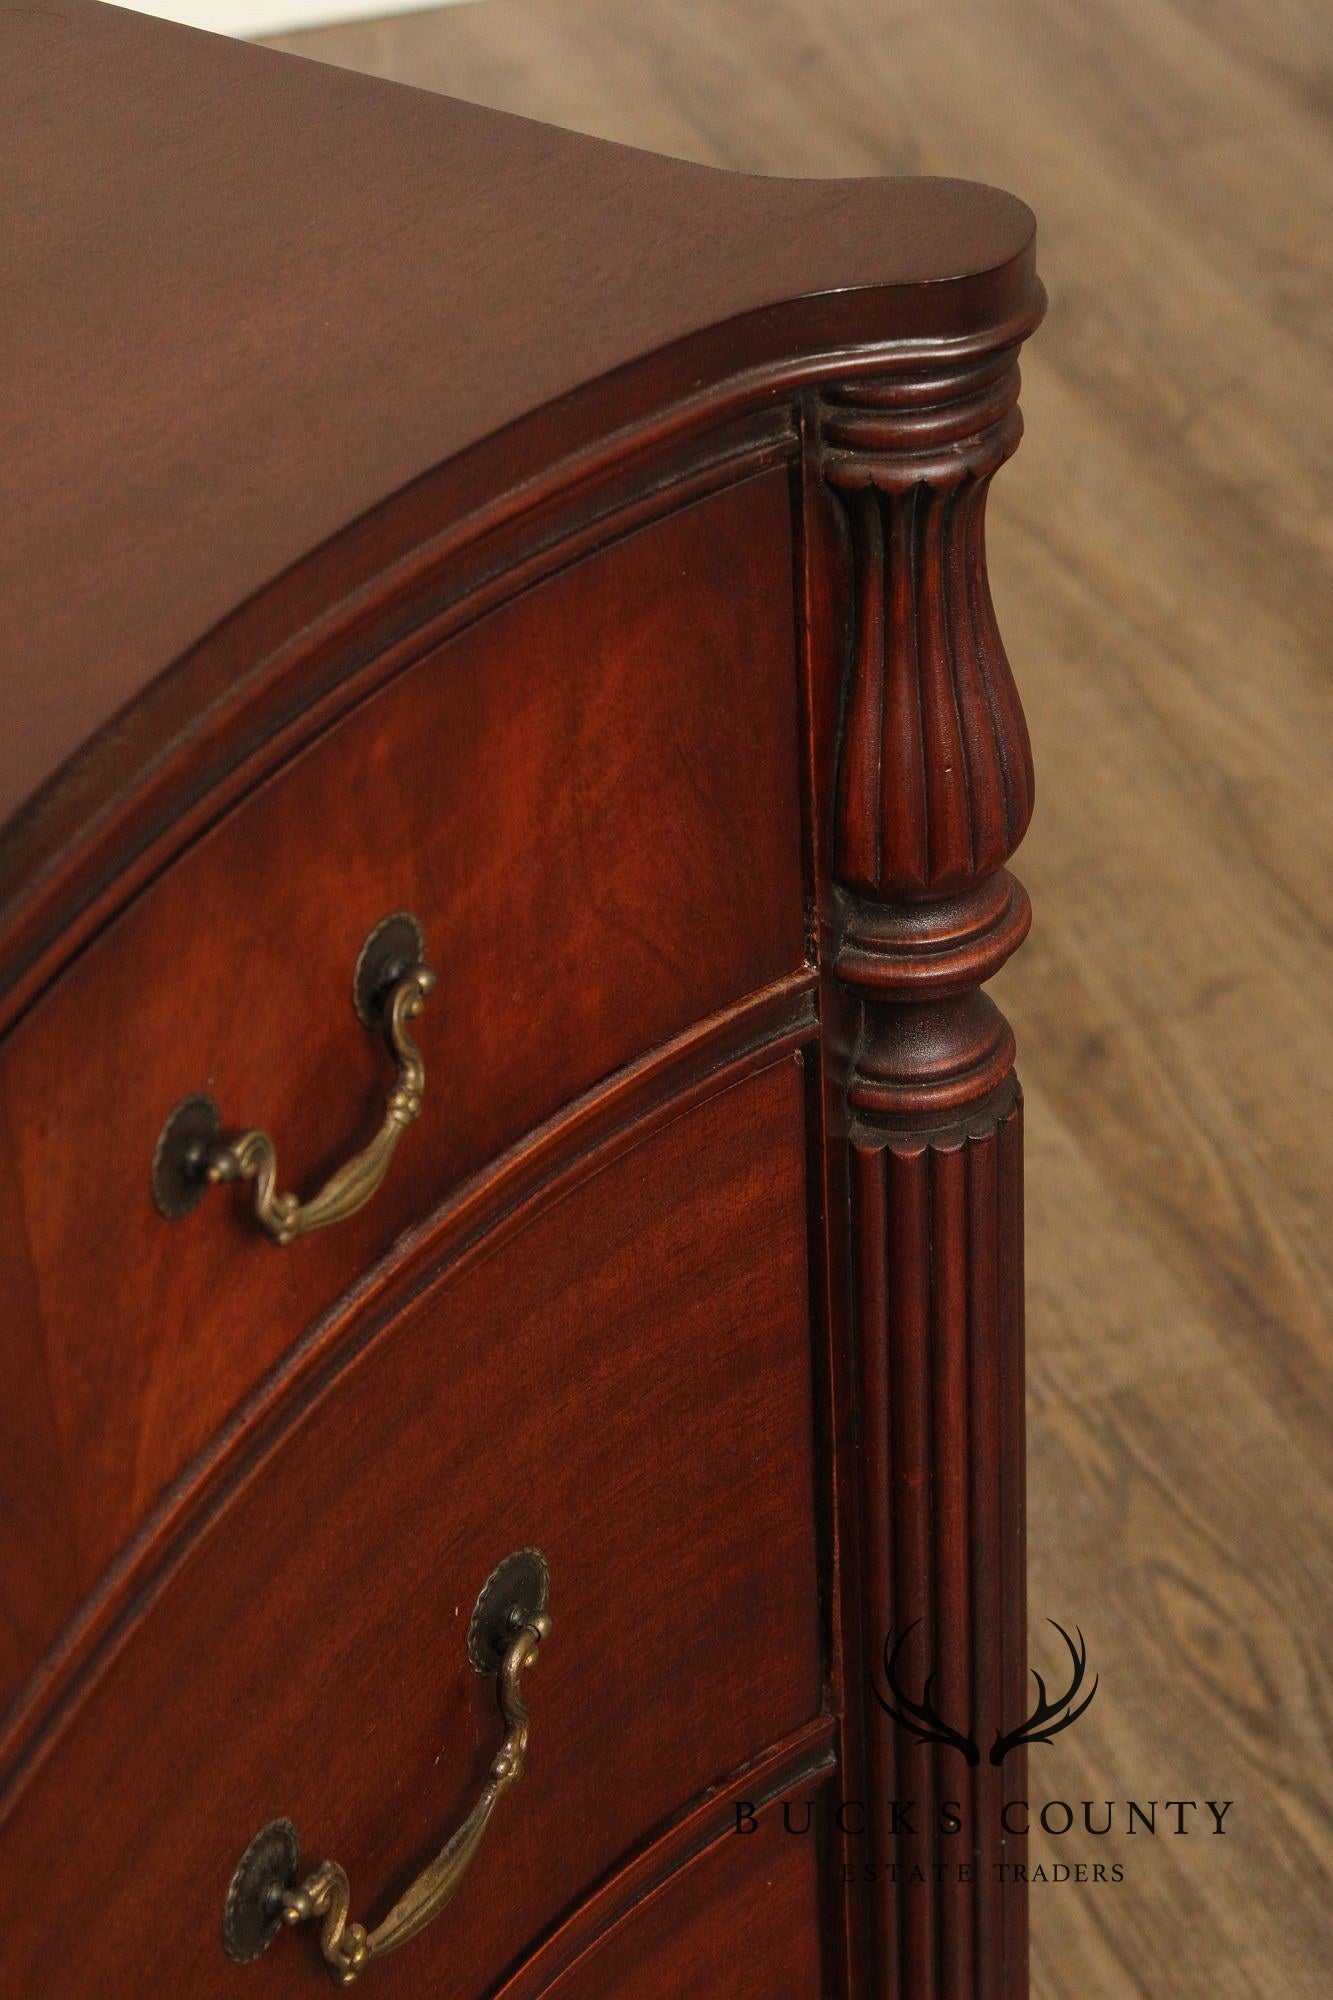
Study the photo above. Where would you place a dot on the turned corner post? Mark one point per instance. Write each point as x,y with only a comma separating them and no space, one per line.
931,792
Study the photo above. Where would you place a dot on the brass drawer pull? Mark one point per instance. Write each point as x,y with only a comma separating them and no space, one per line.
390,986
510,1622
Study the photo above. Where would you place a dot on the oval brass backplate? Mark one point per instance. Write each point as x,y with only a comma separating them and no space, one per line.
252,1913
396,944
179,1180
513,1594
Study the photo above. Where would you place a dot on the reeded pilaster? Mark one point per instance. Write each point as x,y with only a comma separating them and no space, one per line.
932,794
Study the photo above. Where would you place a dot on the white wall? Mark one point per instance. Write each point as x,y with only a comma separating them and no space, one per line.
271,17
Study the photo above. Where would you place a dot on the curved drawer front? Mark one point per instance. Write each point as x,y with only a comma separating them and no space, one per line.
589,799
742,1920
620,1376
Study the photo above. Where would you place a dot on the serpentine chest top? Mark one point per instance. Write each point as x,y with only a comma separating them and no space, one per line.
510,1235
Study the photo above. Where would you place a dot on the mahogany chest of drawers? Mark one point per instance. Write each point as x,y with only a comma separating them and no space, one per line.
509,1182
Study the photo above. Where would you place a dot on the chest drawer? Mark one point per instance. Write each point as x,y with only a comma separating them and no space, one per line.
620,1376
552,794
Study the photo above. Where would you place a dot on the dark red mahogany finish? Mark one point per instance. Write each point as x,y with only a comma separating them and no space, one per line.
414,507
933,792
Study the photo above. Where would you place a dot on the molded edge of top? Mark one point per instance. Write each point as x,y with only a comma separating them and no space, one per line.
235,354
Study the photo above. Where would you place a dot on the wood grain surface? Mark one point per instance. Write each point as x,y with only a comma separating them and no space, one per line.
1161,571
640,956
379,281
629,1350
768,1905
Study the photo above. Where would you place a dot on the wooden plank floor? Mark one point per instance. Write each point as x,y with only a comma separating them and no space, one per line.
1161,562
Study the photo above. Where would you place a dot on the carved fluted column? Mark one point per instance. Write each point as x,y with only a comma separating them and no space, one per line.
932,794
